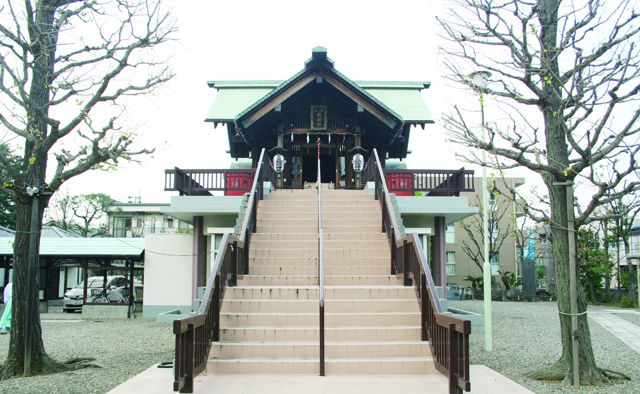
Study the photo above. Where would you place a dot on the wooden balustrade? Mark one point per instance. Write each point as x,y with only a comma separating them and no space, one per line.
201,182
195,333
448,336
430,182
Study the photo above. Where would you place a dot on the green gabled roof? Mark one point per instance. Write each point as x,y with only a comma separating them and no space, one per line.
400,99
406,103
230,103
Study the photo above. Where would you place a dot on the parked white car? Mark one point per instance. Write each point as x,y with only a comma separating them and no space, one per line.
74,298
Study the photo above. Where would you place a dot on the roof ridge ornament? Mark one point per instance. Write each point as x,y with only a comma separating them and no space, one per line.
319,56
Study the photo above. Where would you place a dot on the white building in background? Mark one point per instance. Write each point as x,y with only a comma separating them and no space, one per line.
135,219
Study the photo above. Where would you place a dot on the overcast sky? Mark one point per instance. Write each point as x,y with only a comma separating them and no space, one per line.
220,40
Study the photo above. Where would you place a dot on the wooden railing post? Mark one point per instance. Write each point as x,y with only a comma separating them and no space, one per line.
235,261
189,360
405,260
424,308
215,335
453,360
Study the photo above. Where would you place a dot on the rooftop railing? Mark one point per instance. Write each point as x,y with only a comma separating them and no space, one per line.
429,182
400,182
203,182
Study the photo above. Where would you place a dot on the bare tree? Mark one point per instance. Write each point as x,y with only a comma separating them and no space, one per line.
622,213
60,212
81,213
567,76
472,246
67,69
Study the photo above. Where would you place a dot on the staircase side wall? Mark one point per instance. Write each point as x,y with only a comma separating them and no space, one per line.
168,275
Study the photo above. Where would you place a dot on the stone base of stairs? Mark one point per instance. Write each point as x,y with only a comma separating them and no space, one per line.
160,380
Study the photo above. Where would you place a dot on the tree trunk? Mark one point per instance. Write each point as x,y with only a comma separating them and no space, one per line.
632,275
558,156
25,297
589,372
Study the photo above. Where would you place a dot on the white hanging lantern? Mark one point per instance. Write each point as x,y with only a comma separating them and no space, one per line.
278,163
358,162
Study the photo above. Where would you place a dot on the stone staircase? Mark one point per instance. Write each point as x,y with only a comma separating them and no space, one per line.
269,322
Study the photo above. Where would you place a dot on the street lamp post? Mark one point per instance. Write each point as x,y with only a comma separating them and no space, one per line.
479,81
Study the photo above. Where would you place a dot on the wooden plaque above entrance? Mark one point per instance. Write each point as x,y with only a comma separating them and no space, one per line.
318,117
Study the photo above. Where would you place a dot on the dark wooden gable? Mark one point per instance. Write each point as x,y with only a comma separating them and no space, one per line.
287,110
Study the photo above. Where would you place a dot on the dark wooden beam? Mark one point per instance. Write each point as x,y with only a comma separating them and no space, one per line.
278,99
357,98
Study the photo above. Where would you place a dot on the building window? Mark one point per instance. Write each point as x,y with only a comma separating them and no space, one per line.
494,231
495,263
139,222
169,222
451,263
450,234
122,227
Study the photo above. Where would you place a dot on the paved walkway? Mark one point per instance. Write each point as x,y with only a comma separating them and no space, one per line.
483,381
625,331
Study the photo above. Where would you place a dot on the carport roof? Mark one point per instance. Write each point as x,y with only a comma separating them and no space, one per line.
124,248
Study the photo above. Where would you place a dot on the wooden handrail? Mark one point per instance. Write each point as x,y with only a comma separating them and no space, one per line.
387,200
252,199
194,334
448,336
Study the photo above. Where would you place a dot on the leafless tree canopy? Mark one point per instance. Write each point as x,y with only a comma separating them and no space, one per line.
579,76
66,70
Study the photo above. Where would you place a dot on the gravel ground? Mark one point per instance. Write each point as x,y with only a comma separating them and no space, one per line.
632,318
527,336
123,348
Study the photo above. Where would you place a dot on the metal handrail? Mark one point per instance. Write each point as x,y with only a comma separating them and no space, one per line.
320,265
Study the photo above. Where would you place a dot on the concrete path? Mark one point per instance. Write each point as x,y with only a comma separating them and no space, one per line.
157,380
625,331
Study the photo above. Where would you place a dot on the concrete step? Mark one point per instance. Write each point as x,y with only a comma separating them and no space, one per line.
311,292
289,228
270,261
311,306
292,251
312,269
312,280
313,235
292,333
348,214
312,243
311,205
298,319
313,221
390,365
285,237
272,350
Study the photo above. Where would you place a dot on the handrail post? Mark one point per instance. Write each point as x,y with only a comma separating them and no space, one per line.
233,279
453,361
189,360
215,326
320,266
424,305
405,260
